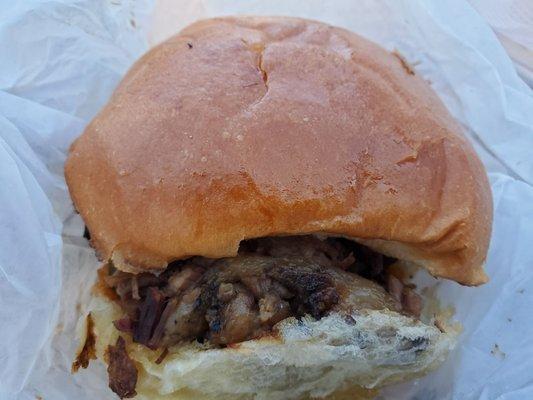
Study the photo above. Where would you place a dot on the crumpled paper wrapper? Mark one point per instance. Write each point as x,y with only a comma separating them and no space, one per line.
61,61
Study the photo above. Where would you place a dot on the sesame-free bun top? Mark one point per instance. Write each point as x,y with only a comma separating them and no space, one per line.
246,127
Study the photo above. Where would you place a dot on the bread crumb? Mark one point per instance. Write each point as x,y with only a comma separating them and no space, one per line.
225,134
239,138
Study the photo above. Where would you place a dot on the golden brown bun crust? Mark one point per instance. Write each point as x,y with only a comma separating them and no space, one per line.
247,127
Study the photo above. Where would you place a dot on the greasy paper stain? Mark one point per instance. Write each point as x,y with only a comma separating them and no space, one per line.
88,352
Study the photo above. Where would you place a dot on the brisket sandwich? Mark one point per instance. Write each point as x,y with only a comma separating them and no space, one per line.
258,189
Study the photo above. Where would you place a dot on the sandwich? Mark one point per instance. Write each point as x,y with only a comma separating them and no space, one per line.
259,190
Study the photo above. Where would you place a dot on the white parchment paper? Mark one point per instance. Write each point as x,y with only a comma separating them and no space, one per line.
59,62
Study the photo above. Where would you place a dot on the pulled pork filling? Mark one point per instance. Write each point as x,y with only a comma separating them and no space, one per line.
231,300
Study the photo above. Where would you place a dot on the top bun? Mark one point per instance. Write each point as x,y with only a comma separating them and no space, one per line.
246,127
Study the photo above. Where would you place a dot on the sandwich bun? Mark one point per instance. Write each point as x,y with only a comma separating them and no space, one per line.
246,127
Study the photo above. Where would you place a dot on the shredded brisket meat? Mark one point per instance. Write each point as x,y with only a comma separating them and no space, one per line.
150,312
231,300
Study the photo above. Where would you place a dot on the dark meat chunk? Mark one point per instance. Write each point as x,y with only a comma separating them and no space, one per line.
162,356
149,315
145,280
182,280
273,309
239,319
411,302
315,291
214,321
123,288
226,292
346,262
125,324
127,285
130,306
322,301
262,285
188,320
281,290
121,370
116,278
159,330
135,288
368,263
395,287
258,285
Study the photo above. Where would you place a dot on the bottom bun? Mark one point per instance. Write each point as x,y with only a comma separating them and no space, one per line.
305,359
